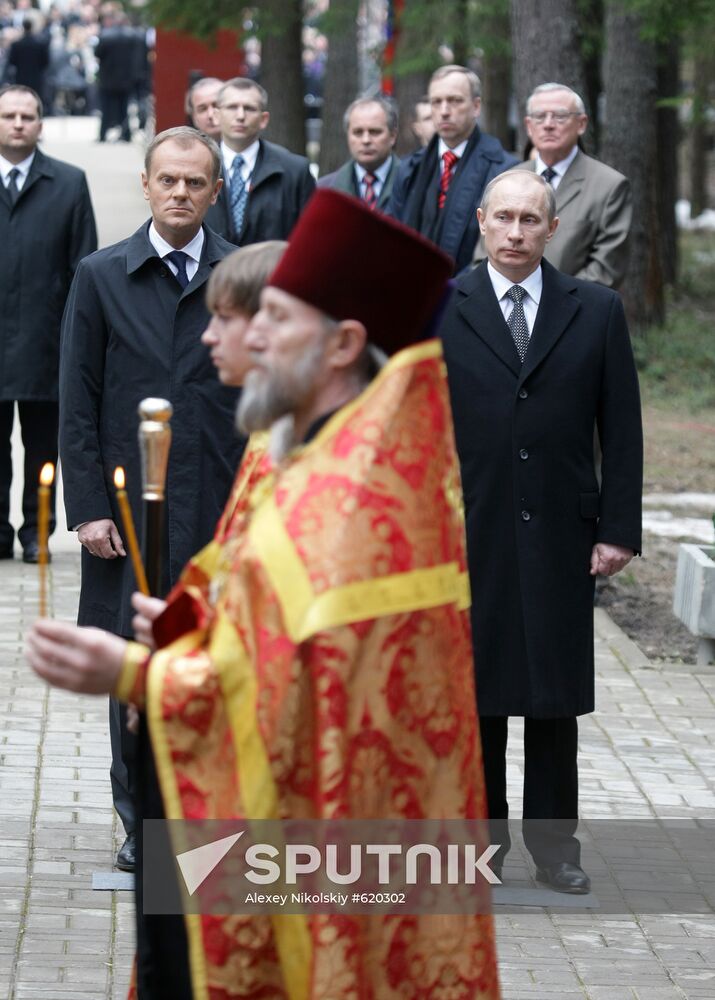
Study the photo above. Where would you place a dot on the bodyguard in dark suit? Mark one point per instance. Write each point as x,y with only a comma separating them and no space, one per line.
535,361
116,51
132,329
371,128
265,186
46,228
437,189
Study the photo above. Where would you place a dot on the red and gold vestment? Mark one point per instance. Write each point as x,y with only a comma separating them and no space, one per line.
325,671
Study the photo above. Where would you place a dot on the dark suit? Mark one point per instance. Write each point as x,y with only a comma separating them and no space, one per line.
454,227
280,186
43,237
595,208
534,510
129,331
345,179
29,58
116,51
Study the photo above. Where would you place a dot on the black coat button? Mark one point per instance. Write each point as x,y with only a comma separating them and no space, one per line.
524,454
525,515
523,393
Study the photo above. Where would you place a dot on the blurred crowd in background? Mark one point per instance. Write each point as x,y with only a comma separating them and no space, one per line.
57,50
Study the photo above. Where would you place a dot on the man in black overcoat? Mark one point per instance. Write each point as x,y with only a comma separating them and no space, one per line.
116,52
132,328
438,188
265,186
536,360
29,57
46,228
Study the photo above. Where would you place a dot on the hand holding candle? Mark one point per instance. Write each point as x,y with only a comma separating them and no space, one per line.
47,475
129,532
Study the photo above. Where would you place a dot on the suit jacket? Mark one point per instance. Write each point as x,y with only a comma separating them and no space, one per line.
116,52
345,180
280,186
130,331
414,195
534,508
43,237
594,206
29,57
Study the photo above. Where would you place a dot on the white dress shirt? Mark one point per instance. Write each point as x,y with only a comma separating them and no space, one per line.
532,285
560,168
380,177
192,250
250,155
23,169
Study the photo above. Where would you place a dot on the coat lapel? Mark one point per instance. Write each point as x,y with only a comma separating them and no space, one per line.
571,183
557,308
480,309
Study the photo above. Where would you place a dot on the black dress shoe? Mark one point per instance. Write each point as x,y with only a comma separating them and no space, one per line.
6,554
564,877
127,854
31,553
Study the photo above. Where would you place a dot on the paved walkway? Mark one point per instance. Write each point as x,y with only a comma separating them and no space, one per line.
649,750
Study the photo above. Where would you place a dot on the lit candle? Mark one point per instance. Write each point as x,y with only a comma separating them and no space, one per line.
129,532
47,474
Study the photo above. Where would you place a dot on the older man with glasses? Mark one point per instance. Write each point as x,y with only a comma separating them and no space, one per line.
593,201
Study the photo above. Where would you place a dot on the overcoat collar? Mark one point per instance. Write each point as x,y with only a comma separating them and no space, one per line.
140,249
478,306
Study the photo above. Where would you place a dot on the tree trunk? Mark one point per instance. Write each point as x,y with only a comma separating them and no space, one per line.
629,144
546,48
668,141
281,23
494,28
341,81
703,77
460,39
410,83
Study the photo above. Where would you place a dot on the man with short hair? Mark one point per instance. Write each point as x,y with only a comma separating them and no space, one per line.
593,201
536,360
437,188
46,227
132,329
371,127
265,186
327,676
201,106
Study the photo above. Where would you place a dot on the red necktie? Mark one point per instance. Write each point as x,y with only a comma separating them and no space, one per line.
449,159
370,198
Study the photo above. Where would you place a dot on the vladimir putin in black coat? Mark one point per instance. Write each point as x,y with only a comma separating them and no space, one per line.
536,360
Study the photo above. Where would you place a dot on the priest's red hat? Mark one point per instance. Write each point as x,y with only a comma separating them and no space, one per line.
354,263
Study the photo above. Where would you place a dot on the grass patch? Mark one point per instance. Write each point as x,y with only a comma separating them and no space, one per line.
676,362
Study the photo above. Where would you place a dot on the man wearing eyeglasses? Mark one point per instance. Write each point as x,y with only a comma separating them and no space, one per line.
265,186
593,201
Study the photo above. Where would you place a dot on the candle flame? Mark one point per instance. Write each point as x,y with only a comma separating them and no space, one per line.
47,474
119,478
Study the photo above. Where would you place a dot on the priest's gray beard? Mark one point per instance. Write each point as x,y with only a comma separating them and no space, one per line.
269,395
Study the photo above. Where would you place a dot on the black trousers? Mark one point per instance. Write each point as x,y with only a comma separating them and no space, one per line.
38,424
122,772
550,816
114,107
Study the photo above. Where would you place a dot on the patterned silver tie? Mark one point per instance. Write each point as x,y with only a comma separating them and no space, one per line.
517,320
238,194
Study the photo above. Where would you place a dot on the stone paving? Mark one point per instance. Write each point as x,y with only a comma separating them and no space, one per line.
648,750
